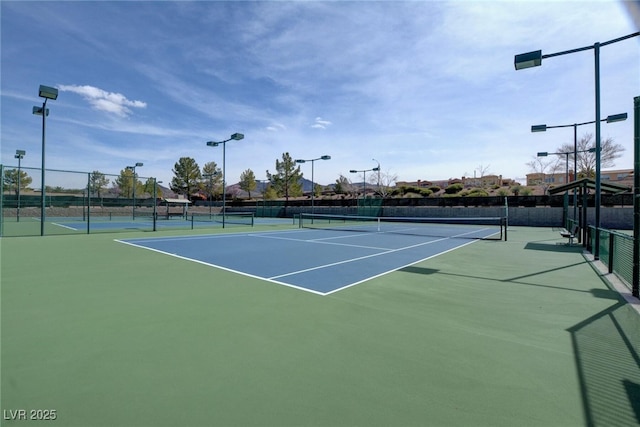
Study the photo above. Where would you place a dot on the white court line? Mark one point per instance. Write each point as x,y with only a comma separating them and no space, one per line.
272,279
322,242
396,269
220,267
358,258
64,226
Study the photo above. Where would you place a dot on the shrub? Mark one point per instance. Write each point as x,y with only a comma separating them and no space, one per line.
453,188
526,191
478,192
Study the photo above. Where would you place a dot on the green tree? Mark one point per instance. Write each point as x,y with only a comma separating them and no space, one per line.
125,182
97,182
269,193
10,181
286,180
248,181
187,176
343,185
148,188
211,180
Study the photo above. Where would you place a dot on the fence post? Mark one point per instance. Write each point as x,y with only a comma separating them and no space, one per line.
88,201
636,198
612,237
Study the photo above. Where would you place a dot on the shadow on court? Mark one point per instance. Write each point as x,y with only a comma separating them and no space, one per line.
516,279
607,356
553,247
606,345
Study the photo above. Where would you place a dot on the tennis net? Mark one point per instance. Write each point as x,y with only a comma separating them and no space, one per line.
236,218
485,228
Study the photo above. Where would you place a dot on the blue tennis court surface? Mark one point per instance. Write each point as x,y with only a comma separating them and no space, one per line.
317,261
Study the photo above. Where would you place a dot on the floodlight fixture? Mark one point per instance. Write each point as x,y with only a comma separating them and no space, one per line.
534,59
38,111
48,92
543,154
364,178
19,155
133,178
528,60
235,137
539,128
313,189
616,118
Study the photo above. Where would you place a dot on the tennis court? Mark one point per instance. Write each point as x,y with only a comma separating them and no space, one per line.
333,253
494,333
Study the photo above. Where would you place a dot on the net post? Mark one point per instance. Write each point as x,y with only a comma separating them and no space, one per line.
505,223
193,220
155,203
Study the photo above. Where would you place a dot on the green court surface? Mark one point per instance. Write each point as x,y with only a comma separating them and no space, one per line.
517,333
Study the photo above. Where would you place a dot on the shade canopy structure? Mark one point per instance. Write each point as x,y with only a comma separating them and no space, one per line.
590,184
584,185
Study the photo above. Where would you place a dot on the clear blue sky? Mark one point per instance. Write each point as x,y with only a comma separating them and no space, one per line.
427,88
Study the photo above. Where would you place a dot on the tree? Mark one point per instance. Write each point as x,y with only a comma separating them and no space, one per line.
248,181
186,177
387,183
10,182
343,185
125,182
211,180
148,188
286,180
97,182
586,162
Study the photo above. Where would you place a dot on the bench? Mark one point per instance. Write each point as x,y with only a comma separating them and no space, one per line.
570,234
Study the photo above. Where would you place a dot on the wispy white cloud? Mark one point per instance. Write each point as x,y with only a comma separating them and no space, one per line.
320,123
276,127
102,100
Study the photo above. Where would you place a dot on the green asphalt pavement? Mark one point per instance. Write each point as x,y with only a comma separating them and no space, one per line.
517,333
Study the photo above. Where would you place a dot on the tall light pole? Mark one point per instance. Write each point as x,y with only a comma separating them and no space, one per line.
378,167
210,176
135,182
313,190
235,137
364,180
47,93
19,155
534,59
543,128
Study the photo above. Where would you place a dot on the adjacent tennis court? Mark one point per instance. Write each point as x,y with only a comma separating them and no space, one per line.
329,252
493,333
